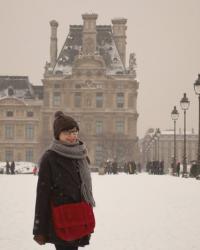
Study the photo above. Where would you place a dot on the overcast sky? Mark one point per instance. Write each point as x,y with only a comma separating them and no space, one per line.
164,34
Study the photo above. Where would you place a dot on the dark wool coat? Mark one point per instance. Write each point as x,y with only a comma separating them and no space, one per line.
59,182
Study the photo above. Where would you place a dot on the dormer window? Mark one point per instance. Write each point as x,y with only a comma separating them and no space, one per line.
10,91
27,94
115,60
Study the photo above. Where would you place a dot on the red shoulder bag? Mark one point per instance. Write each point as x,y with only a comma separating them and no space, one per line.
73,221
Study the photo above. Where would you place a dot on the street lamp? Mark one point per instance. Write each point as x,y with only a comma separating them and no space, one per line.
153,140
158,133
197,91
151,150
174,116
155,146
185,103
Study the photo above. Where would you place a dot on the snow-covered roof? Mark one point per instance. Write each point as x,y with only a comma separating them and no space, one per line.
167,132
171,132
106,47
18,86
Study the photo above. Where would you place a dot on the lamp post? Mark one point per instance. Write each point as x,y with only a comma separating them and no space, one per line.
174,116
146,152
158,133
185,103
151,150
197,91
155,147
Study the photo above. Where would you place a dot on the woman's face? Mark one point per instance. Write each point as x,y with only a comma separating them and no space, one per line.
69,135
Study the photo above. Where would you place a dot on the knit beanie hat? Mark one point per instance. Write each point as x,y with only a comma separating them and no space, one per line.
63,122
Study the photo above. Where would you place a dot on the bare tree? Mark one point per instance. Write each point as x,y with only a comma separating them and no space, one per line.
117,146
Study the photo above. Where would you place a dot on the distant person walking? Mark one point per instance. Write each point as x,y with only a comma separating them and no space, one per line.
12,167
139,167
7,167
162,167
178,168
35,170
114,167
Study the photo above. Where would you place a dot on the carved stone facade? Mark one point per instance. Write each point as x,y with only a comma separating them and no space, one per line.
20,120
91,83
88,80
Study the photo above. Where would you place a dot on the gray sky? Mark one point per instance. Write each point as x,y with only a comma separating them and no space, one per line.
164,34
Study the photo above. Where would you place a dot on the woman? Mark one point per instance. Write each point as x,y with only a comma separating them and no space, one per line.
64,178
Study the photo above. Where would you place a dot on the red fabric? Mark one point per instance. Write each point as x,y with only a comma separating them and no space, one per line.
73,221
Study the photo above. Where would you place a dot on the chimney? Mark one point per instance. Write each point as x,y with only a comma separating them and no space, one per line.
89,33
53,43
119,33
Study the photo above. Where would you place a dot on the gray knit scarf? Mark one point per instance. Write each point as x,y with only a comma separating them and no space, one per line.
77,151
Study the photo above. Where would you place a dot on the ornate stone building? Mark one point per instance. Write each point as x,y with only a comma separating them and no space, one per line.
20,119
162,148
89,81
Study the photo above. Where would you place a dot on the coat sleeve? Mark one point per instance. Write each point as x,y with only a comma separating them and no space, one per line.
43,198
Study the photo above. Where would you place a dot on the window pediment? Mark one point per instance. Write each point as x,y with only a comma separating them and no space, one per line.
12,101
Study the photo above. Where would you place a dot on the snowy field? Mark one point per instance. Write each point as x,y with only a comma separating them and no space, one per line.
134,212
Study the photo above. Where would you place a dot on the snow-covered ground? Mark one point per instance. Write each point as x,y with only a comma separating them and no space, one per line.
134,212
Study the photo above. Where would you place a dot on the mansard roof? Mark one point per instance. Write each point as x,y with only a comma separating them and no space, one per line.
106,47
18,86
17,82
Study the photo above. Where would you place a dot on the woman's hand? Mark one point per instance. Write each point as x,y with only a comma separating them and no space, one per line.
40,239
